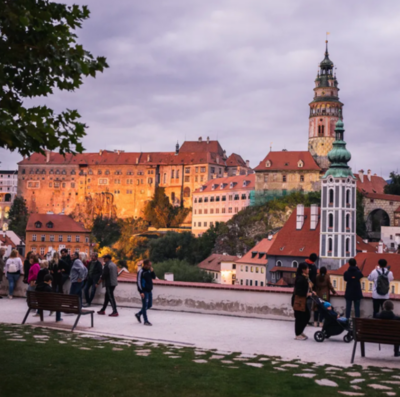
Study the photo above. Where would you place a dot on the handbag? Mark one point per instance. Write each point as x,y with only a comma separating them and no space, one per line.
299,303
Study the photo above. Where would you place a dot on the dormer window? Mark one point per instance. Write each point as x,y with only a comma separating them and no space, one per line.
38,225
221,186
254,254
231,185
260,255
49,225
300,164
268,163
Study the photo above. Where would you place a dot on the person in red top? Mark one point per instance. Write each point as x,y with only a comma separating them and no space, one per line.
33,272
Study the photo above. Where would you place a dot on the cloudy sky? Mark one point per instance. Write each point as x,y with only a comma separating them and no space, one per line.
241,71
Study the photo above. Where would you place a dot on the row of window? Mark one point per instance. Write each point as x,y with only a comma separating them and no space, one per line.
60,238
285,178
82,172
231,197
205,224
332,197
201,169
250,283
330,221
42,250
223,211
252,269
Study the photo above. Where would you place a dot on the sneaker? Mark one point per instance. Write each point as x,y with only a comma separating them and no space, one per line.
36,315
113,314
300,337
147,323
102,312
87,305
10,297
137,315
60,320
51,313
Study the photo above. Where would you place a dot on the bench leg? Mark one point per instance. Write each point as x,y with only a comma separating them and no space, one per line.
354,351
92,319
76,323
26,316
362,349
41,315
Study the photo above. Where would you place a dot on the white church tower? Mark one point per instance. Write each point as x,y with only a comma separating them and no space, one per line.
338,206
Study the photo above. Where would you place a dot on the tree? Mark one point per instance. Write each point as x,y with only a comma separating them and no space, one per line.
161,213
393,187
39,53
18,217
106,231
361,228
182,271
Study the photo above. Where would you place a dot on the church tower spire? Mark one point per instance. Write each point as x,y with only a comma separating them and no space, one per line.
324,112
338,206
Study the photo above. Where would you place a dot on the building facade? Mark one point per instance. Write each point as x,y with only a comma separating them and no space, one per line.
47,233
8,191
221,267
338,206
219,200
118,183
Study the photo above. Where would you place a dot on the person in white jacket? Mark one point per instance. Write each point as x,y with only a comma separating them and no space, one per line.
381,277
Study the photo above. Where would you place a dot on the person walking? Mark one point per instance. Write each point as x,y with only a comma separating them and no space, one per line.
388,314
145,279
13,269
299,300
353,293
33,272
312,259
46,286
323,289
381,277
94,273
109,279
64,264
77,275
2,266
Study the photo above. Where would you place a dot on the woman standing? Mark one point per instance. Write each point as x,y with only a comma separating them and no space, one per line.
323,288
44,269
27,266
56,273
33,272
13,270
299,301
353,293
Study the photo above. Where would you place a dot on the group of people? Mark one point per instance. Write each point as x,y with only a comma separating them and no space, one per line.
311,282
85,277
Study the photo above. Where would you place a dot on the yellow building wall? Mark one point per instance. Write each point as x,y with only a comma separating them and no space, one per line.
340,285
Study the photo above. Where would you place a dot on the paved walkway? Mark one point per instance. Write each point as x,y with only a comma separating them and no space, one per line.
224,333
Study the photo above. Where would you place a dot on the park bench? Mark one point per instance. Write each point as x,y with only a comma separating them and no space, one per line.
368,330
55,303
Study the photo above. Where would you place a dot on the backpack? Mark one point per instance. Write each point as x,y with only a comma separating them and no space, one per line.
12,267
382,283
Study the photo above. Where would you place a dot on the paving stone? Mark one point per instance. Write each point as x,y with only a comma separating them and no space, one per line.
356,387
395,376
338,377
305,375
17,340
274,362
232,367
280,369
174,356
351,393
168,353
289,366
240,359
62,342
40,336
117,349
216,357
85,348
353,374
391,382
332,369
139,343
390,393
308,370
100,347
143,351
40,342
380,387
357,381
326,382
263,359
199,353
386,370
257,365
227,362
118,343
200,361
144,354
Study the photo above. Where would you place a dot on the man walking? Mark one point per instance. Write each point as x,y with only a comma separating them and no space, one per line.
145,279
77,275
64,265
382,278
109,279
94,274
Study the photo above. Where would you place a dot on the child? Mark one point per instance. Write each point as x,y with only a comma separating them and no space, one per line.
329,307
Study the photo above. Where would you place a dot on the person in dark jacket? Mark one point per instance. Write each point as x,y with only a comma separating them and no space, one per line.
353,294
95,270
45,286
145,279
56,273
44,270
301,292
27,266
387,314
312,275
109,278
65,264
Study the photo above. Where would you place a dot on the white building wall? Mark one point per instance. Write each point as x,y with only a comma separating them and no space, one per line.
390,235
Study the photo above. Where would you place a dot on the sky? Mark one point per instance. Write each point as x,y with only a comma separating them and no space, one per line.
240,71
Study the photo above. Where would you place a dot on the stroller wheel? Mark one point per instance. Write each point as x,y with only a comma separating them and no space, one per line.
319,336
348,338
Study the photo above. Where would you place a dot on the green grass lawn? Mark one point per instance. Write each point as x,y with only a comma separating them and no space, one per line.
45,367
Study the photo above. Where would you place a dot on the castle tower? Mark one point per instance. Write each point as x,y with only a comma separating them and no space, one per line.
324,112
338,206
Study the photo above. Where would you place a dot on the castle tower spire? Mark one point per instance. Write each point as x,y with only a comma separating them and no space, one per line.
324,112
338,205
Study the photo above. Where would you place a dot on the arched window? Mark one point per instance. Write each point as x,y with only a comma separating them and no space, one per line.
330,245
172,174
279,263
7,198
331,194
348,197
330,221
186,192
347,245
348,221
295,264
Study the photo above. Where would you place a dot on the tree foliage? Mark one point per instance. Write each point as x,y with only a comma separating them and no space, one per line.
182,271
393,187
18,217
39,53
361,228
106,231
161,213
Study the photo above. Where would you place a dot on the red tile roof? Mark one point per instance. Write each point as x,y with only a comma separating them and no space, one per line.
213,262
201,146
283,269
61,223
362,246
262,247
238,182
281,283
368,261
235,160
375,185
387,197
6,241
284,160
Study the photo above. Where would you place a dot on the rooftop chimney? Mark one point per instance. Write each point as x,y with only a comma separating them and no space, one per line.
299,216
177,149
361,175
314,216
200,139
208,140
247,163
48,156
137,160
148,158
369,173
100,152
380,247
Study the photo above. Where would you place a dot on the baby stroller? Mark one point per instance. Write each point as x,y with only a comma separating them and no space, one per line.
332,325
